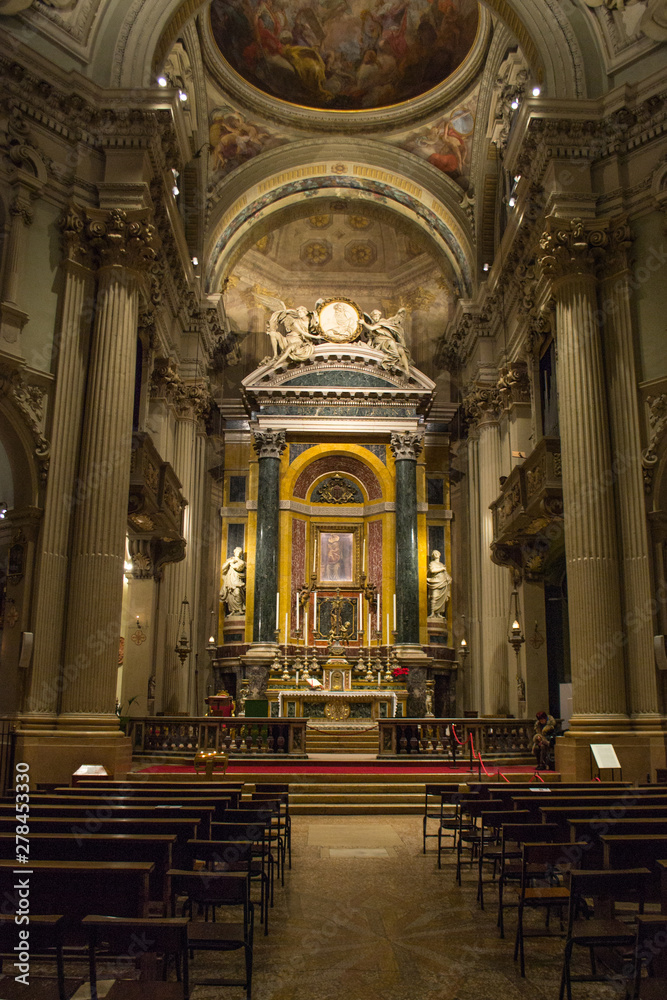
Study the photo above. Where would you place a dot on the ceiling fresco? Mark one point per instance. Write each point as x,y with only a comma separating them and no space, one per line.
233,140
447,143
348,55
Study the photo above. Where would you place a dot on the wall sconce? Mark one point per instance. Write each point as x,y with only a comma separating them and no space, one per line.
463,652
3,510
138,637
184,646
515,637
212,648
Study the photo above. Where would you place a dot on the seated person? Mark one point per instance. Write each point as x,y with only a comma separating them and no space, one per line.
544,730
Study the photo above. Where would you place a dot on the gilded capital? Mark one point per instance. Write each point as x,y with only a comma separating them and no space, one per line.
406,446
268,443
572,246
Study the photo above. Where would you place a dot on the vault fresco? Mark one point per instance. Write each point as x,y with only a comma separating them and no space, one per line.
344,54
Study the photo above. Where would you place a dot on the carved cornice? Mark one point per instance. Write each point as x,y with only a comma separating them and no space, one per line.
269,443
29,401
406,446
589,139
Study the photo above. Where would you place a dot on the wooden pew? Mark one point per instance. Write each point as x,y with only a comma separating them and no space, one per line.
643,850
627,798
157,848
92,813
76,888
589,831
601,815
189,781
180,794
219,803
182,829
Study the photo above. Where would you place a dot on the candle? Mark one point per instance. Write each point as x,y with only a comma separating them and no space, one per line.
314,555
314,614
305,626
278,610
378,678
361,615
297,610
286,627
394,612
377,610
297,678
388,643
369,628
363,557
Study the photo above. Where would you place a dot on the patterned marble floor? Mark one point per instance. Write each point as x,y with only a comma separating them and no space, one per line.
364,915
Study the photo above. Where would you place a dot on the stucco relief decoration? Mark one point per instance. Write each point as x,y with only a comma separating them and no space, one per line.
234,140
360,254
636,17
316,253
657,419
446,144
29,401
347,56
9,7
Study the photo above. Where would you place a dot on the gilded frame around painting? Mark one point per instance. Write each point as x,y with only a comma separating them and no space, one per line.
336,555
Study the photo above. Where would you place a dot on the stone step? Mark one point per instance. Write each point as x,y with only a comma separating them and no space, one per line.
322,798
356,788
356,809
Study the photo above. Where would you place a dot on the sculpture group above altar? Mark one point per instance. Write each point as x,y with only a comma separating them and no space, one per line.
294,331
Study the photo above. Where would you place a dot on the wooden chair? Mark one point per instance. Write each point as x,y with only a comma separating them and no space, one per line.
284,823
282,788
604,887
45,942
433,808
134,942
218,889
544,870
512,837
490,851
451,805
262,864
650,953
468,833
267,814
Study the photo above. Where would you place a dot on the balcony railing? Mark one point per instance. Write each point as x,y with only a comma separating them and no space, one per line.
451,737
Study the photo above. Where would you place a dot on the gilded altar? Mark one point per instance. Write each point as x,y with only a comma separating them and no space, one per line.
338,706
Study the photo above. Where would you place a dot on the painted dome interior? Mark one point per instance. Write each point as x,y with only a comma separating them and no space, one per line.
346,55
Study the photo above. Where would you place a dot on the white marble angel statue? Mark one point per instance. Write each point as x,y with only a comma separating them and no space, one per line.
388,335
291,331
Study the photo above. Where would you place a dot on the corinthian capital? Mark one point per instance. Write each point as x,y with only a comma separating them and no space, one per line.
125,239
406,446
481,401
572,246
268,443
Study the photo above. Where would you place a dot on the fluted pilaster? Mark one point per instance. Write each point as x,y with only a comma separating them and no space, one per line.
494,579
569,253
124,245
625,435
62,494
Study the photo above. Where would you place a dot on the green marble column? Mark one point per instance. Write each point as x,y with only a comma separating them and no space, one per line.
269,445
405,448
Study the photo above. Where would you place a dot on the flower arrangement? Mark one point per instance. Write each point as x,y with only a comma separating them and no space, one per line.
399,672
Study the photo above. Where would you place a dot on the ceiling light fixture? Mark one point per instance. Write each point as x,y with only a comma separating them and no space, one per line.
512,202
514,105
175,191
537,90
485,267
182,95
162,80
195,261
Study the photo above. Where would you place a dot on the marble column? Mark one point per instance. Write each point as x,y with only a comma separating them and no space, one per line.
125,244
269,446
568,253
621,380
72,345
405,449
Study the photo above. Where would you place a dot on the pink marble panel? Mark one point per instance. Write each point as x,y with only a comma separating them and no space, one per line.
338,463
375,563
298,566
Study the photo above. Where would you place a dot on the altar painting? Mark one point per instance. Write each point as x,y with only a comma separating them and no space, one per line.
336,557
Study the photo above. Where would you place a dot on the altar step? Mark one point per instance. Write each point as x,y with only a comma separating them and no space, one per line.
342,741
356,798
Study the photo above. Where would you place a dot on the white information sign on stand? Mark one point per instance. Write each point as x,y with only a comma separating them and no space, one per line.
605,756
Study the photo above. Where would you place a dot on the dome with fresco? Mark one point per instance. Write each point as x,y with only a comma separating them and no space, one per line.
345,55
